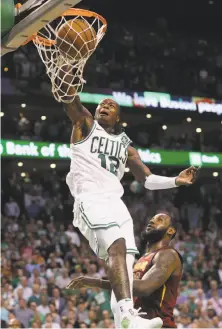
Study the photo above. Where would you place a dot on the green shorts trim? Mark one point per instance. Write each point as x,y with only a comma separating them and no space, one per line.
132,251
95,226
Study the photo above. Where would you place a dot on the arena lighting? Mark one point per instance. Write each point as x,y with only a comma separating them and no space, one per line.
164,127
198,130
43,117
189,119
23,174
215,174
124,124
53,165
23,105
149,116
2,114
20,164
127,169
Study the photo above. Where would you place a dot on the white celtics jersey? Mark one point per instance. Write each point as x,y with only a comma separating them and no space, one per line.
98,164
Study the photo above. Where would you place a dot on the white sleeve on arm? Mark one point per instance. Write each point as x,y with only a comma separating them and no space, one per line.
155,182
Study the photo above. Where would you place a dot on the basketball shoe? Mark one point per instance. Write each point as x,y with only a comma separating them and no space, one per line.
134,321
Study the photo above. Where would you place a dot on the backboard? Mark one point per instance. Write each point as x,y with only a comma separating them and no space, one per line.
33,23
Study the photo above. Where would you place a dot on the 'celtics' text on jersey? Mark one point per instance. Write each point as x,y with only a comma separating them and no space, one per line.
98,163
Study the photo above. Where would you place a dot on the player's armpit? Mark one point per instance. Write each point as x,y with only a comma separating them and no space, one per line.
164,264
136,166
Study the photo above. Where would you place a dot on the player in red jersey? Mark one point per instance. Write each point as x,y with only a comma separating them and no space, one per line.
156,275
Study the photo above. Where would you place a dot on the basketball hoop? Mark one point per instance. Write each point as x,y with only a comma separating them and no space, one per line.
46,42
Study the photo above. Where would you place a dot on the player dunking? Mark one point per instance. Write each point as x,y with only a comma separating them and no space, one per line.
99,154
156,275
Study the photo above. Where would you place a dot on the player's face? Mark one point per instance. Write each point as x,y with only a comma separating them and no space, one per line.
159,221
107,113
157,227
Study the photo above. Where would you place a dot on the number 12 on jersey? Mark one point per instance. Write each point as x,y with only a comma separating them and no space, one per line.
109,163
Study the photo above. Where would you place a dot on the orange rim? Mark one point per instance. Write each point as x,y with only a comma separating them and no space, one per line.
70,12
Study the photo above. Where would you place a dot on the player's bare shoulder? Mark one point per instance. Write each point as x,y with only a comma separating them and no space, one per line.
169,258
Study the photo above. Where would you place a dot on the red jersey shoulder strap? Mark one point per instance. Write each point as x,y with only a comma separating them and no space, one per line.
151,255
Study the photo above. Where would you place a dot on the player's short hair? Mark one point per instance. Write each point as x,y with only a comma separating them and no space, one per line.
174,225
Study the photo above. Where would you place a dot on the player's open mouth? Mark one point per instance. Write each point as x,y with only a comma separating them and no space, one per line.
104,112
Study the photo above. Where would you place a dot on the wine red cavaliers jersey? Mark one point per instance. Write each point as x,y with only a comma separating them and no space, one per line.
162,301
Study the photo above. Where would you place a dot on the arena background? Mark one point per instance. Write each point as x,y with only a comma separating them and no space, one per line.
162,61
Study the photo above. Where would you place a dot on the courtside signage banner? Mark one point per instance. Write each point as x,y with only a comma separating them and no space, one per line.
156,100
55,151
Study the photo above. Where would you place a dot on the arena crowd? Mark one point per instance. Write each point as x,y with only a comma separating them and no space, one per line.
132,57
42,251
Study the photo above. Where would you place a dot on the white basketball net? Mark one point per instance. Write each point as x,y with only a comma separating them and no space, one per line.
57,61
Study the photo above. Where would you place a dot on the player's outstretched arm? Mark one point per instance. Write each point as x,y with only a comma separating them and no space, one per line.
165,263
85,281
77,113
155,182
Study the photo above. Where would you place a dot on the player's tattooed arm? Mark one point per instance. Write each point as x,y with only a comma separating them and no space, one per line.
84,281
165,263
136,166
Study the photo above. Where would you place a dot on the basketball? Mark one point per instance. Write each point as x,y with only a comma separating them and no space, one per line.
76,38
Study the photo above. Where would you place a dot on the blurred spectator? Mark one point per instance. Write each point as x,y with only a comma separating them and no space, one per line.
82,312
23,289
43,308
59,301
49,322
106,320
33,209
73,235
35,294
214,291
4,310
23,313
37,316
63,280
12,208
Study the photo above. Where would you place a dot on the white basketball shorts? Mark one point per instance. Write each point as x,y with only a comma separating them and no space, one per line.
102,222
